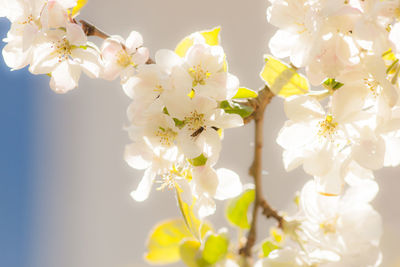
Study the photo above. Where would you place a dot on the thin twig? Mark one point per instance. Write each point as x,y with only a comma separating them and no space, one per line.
91,30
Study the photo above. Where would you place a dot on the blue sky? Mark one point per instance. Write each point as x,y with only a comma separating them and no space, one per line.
16,142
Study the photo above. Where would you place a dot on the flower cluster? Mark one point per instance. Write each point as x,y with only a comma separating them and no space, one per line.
182,103
46,36
177,124
341,134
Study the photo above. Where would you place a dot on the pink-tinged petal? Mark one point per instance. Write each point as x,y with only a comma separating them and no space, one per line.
141,56
143,190
89,60
167,59
133,41
138,156
111,71
110,49
65,77
53,15
229,184
75,34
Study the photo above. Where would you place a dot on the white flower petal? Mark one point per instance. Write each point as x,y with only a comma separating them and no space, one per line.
143,190
229,184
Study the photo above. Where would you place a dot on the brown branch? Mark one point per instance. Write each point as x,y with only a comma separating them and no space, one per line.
91,30
259,105
269,212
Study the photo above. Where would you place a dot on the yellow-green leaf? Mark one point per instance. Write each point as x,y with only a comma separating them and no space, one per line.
238,208
191,254
244,92
196,227
199,161
215,248
164,241
282,79
80,4
211,37
268,247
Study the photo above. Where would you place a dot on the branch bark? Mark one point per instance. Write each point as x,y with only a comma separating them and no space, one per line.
259,105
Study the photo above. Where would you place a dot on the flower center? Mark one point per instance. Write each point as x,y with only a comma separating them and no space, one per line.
327,127
373,86
167,136
28,20
63,48
124,59
329,226
199,75
167,181
158,88
195,121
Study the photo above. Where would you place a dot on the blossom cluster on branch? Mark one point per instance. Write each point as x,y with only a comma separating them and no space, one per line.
183,100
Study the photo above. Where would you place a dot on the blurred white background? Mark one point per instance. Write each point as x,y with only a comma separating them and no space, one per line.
84,214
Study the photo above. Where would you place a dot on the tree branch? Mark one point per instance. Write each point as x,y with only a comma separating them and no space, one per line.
259,105
91,30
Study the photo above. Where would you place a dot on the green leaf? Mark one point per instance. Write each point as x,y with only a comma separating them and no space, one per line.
268,247
199,161
191,254
238,207
163,243
332,84
236,108
282,79
196,227
215,248
244,92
